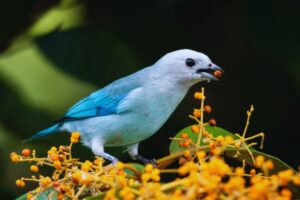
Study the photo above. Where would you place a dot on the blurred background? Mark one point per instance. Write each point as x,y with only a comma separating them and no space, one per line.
54,52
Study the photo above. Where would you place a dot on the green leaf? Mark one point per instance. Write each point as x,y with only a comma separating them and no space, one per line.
44,196
244,155
23,197
41,196
138,167
99,196
64,16
33,77
216,131
229,152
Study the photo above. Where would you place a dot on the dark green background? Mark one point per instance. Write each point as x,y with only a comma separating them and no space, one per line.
257,43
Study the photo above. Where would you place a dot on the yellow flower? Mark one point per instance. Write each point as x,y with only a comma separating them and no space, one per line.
29,196
34,168
52,151
252,171
220,139
45,181
237,144
148,168
216,166
187,154
75,137
127,194
20,183
201,155
188,167
197,113
296,180
234,184
239,171
184,136
99,161
57,164
14,157
195,129
86,166
198,95
228,139
60,196
110,195
155,175
120,165
86,179
256,179
145,177
286,193
259,161
285,176
269,165
76,176
131,182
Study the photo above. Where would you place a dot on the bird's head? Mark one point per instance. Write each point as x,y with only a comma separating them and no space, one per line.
189,66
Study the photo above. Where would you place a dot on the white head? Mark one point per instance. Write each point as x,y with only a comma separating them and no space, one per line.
188,66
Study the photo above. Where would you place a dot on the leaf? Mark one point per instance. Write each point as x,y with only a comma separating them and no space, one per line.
99,196
216,131
41,196
136,166
278,163
33,77
60,17
229,152
44,196
23,197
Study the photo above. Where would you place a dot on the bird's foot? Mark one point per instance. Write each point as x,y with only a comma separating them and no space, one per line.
109,157
114,162
146,161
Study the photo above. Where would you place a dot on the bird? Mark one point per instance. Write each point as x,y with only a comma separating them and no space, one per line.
133,108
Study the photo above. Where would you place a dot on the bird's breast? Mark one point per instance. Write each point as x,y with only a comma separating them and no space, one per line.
152,106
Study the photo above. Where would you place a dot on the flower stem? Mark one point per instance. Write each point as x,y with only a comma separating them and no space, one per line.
201,119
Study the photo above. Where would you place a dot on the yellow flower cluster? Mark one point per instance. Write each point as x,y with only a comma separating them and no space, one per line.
150,174
202,172
71,178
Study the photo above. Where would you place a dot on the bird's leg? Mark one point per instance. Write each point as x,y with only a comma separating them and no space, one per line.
133,152
98,150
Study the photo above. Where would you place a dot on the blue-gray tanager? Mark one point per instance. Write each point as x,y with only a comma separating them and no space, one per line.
133,108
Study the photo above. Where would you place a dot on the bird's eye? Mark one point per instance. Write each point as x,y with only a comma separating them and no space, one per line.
190,62
209,65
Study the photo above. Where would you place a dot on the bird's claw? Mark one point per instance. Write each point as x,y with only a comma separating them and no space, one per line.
114,162
147,161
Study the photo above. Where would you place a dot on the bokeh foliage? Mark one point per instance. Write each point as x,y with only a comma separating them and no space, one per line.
55,52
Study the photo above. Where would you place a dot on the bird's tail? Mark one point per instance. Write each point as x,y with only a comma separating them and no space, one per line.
47,131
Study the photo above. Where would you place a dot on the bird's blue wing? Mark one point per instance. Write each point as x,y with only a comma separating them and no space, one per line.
97,104
105,101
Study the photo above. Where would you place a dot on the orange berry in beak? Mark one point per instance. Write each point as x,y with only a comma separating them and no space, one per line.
218,74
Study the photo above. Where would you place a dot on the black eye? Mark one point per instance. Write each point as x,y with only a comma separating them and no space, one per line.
209,65
190,62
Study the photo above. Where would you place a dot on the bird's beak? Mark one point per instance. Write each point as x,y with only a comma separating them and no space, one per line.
212,72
